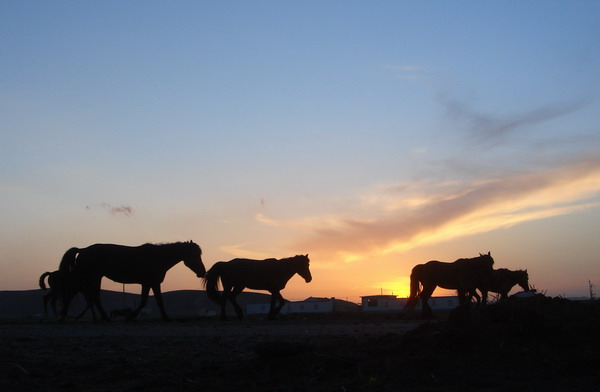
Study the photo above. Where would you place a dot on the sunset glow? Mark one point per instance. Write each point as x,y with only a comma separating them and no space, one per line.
370,137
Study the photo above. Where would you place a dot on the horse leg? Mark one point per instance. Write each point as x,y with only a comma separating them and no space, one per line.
277,302
91,306
477,297
237,290
424,295
87,306
143,301
46,298
484,296
223,300
67,295
92,296
159,302
272,307
53,299
464,298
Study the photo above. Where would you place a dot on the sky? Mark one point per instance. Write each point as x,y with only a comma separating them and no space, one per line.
372,136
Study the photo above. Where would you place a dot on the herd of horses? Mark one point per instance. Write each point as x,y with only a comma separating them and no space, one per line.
466,276
81,271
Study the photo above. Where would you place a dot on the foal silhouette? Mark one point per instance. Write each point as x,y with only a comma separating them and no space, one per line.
502,281
57,283
54,284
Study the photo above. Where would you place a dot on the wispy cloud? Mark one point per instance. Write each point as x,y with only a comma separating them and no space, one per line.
239,251
404,216
407,72
122,210
491,129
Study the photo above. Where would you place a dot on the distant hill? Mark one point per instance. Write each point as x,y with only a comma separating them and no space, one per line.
183,303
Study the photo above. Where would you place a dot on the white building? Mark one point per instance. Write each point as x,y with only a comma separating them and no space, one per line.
382,303
309,305
391,303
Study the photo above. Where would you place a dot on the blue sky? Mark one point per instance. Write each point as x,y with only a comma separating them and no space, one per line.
373,136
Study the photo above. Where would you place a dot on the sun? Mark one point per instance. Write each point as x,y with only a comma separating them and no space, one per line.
399,287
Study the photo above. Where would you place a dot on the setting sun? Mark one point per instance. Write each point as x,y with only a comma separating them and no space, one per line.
399,287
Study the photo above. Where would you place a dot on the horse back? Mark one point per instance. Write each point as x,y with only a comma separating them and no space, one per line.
254,274
125,264
437,273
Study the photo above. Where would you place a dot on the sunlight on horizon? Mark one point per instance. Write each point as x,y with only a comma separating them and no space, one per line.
372,138
399,287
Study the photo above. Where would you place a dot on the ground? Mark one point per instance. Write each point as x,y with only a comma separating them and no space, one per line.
538,344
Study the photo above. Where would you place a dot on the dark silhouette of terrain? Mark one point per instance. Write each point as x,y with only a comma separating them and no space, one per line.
182,303
522,344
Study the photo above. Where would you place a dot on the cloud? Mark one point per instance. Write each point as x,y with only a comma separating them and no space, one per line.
407,72
401,217
123,210
115,211
239,251
490,129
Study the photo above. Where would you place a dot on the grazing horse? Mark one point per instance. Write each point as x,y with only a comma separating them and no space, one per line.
463,275
503,280
56,283
270,274
146,264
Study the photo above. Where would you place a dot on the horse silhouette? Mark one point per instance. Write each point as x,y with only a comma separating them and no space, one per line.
269,274
463,275
146,265
501,282
56,284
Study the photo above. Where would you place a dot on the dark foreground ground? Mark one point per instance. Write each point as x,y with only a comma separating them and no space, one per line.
534,344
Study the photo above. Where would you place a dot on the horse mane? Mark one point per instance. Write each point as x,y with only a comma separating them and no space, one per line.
170,244
293,258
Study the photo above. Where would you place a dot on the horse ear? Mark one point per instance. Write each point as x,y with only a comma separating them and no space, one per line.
480,254
490,253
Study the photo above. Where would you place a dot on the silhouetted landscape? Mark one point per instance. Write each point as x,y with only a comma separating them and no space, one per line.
536,344
27,304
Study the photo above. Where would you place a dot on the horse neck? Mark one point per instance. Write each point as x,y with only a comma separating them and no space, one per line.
288,268
171,256
521,280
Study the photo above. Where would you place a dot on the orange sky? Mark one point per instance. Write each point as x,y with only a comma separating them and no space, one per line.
373,138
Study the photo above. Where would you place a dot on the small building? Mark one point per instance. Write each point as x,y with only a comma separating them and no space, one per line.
443,303
382,303
309,305
391,303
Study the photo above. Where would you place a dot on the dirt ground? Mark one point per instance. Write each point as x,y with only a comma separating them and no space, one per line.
539,344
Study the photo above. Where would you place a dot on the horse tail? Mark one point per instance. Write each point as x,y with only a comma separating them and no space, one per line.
68,260
211,282
415,287
42,278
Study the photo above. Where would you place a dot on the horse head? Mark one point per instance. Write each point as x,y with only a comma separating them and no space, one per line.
523,279
302,264
487,260
193,259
